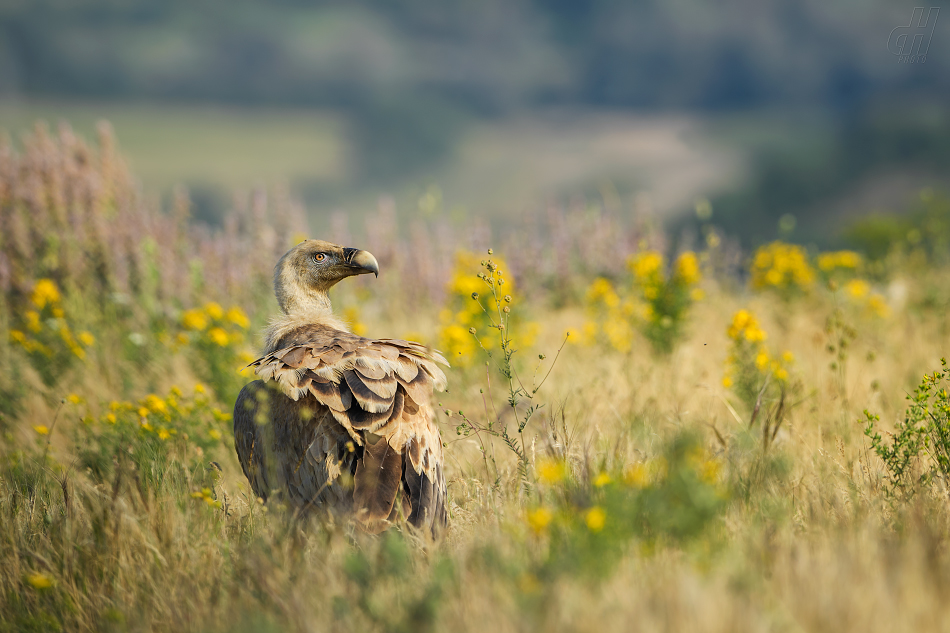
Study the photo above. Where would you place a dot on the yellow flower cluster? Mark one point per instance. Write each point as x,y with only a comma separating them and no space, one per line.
206,496
666,298
749,350
782,267
654,473
859,292
647,267
160,416
551,471
478,304
212,325
745,326
612,317
686,269
831,261
46,329
45,293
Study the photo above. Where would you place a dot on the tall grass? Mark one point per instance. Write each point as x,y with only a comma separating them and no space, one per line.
648,493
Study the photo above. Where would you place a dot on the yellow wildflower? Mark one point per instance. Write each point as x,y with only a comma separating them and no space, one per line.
645,265
215,434
194,320
33,321
782,266
218,336
143,412
602,480
74,399
602,291
45,293
42,429
726,382
857,288
686,269
163,434
637,476
86,338
199,388
595,519
788,357
827,262
762,360
709,470
110,418
551,471
16,336
214,311
539,519
236,316
878,306
155,404
40,581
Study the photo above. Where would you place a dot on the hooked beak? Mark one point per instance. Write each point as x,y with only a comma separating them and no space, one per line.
361,261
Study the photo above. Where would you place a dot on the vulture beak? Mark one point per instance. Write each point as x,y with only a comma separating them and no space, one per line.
361,262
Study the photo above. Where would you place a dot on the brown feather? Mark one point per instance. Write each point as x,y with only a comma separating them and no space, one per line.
377,480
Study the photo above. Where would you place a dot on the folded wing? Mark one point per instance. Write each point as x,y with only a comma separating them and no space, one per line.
378,391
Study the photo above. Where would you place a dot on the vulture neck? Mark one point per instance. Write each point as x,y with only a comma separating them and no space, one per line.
304,302
300,309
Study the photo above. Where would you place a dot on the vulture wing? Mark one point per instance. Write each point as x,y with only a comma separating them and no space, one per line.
374,394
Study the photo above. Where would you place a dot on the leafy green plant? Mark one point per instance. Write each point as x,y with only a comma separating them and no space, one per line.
919,447
667,297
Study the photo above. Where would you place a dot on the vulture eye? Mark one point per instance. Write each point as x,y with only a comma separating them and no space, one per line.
319,257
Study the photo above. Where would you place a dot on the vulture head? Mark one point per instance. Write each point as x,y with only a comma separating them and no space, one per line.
306,273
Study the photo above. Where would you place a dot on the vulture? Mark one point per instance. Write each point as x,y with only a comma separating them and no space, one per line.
337,421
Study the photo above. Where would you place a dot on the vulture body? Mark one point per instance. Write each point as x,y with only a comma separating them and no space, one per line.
338,421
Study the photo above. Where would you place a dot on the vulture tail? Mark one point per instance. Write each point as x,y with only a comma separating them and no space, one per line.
426,498
376,484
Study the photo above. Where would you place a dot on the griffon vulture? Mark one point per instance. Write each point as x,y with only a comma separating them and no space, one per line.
338,421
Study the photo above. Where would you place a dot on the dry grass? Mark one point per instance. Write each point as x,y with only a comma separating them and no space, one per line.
108,536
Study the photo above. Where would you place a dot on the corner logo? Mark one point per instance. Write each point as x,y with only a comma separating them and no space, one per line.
910,43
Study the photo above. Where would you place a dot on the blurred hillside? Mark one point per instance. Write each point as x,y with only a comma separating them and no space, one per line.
401,88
